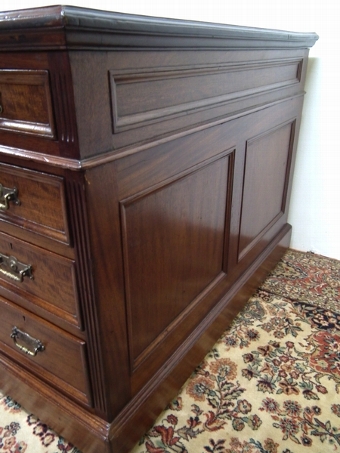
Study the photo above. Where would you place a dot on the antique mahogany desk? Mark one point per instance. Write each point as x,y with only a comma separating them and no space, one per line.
145,173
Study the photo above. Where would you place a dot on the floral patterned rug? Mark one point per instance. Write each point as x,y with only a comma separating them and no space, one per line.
21,432
271,384
306,277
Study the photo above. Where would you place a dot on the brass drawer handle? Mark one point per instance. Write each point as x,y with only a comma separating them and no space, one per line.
7,195
12,268
33,346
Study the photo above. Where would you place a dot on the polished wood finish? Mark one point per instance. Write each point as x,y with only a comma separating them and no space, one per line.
270,150
153,162
42,207
53,282
62,363
53,132
34,116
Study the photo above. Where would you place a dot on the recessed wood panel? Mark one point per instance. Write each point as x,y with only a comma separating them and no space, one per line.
141,98
265,183
173,249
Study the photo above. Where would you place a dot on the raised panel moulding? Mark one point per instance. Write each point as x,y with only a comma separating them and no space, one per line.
178,221
139,99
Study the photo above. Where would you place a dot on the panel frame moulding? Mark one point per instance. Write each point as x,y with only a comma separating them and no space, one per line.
121,123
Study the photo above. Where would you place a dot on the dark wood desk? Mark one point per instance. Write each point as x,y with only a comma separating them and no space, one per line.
145,177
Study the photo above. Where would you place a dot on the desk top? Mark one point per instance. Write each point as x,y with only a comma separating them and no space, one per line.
56,27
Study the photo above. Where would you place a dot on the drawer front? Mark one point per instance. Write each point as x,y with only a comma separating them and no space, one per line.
34,201
25,103
42,277
52,354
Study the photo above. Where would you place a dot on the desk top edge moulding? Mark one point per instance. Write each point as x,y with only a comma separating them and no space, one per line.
145,173
75,21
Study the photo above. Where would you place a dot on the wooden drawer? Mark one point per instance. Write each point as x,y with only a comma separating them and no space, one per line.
25,102
61,360
49,281
38,203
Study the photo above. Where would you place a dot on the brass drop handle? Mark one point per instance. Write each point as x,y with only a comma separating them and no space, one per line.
12,268
7,195
31,346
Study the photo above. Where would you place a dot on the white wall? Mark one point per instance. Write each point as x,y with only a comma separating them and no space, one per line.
315,212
